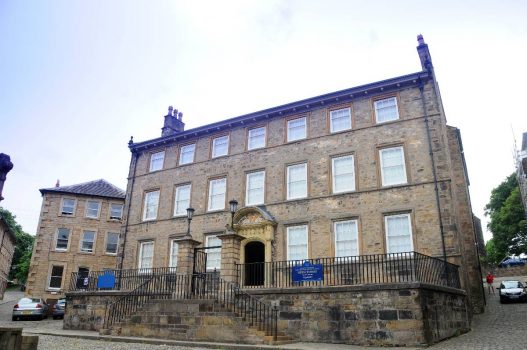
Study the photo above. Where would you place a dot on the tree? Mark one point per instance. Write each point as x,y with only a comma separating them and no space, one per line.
507,220
23,248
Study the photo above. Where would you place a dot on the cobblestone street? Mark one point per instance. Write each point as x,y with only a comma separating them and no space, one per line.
502,327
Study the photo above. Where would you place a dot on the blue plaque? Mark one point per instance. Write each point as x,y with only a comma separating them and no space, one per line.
308,272
106,281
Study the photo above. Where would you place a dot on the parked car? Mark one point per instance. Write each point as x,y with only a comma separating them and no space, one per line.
30,307
508,262
58,309
512,291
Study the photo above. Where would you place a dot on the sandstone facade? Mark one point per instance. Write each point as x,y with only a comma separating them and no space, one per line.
61,246
7,249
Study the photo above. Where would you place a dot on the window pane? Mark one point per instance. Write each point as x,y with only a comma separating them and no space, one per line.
174,249
392,166
146,255
88,238
340,119
256,138
63,235
213,255
68,205
398,233
386,110
343,174
182,200
217,194
297,181
151,205
255,188
187,154
220,146
156,161
92,209
297,243
55,279
296,129
346,243
111,243
116,211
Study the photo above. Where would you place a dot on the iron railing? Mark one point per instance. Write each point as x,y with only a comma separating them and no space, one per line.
125,280
352,270
173,286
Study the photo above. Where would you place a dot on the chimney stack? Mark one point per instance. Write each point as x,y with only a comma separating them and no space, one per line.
424,54
173,122
58,183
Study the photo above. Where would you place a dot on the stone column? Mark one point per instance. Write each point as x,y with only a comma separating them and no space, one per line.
230,255
185,257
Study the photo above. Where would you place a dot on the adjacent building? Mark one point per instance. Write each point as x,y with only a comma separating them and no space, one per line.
373,169
78,231
7,249
521,171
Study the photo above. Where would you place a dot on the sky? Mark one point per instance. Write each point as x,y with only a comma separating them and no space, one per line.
78,78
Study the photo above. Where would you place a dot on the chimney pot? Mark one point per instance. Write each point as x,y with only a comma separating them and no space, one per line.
420,39
58,183
180,115
175,113
170,110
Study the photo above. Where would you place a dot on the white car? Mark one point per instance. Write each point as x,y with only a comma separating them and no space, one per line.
30,308
512,291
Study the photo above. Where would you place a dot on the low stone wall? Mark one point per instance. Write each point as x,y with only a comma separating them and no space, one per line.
86,310
383,315
508,271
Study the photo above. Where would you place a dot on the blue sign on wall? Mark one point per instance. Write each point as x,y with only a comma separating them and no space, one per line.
106,281
308,272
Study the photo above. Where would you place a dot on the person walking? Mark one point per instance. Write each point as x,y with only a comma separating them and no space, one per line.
490,281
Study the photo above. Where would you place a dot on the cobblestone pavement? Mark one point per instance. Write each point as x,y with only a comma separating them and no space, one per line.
501,327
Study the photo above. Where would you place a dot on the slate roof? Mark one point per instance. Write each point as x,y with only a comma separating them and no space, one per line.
99,188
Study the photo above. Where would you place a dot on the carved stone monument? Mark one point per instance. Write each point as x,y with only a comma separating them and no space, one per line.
5,167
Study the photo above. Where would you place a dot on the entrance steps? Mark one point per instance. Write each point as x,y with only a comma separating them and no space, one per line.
192,320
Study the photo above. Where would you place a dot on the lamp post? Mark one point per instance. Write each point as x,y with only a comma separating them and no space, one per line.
190,213
233,203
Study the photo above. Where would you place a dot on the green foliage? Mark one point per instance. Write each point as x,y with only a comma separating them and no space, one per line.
23,249
507,220
492,257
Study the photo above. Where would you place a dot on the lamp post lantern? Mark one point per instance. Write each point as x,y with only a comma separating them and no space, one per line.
233,203
190,213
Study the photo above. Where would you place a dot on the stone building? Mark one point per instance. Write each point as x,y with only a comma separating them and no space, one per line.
341,218
7,249
521,171
78,231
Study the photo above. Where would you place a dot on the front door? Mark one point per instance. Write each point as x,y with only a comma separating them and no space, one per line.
82,278
254,263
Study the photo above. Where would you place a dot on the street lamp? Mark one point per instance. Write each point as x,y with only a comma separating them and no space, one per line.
233,203
190,213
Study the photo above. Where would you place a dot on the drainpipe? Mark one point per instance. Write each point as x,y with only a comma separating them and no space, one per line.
431,152
135,155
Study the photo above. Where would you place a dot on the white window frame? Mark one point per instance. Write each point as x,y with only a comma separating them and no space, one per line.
88,209
211,267
351,186
403,163
210,194
334,115
173,254
215,141
113,217
145,205
73,208
353,238
289,181
178,201
251,138
140,266
107,240
184,150
50,276
377,108
157,161
306,230
82,240
289,128
248,189
387,234
57,240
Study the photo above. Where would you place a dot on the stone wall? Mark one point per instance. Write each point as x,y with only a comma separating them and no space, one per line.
7,249
508,271
398,315
86,310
